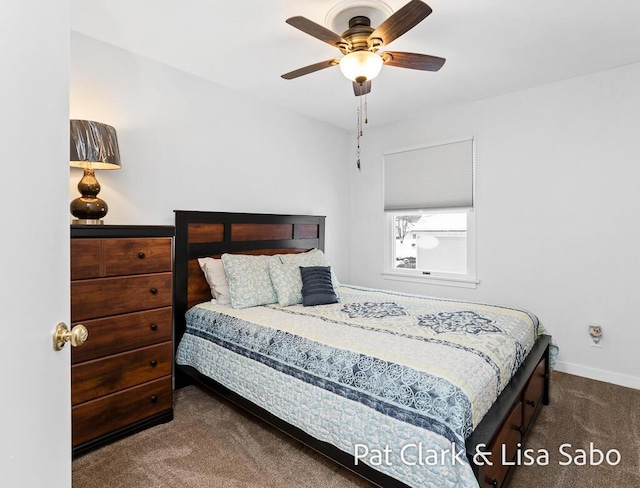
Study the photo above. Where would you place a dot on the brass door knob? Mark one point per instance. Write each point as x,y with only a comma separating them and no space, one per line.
76,336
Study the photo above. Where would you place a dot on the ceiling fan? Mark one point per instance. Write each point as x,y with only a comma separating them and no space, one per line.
360,44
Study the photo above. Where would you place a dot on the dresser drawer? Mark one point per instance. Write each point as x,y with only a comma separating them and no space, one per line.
86,258
112,412
113,373
99,258
121,333
137,256
91,299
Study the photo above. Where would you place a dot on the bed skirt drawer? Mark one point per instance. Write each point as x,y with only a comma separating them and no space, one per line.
533,393
109,413
91,299
113,373
121,333
503,449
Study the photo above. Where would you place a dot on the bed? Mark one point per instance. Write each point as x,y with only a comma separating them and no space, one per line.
428,407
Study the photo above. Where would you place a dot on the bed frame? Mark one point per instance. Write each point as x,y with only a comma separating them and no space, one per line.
200,234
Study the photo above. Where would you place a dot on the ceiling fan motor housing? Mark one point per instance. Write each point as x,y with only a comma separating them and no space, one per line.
357,36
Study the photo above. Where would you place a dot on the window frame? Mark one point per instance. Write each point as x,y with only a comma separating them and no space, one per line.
468,280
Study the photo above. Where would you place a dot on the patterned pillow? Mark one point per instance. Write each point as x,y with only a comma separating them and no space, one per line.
249,281
316,286
287,282
315,257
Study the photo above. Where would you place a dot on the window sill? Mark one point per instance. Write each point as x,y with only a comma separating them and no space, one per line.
432,280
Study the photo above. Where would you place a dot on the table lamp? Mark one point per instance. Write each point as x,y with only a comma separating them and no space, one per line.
93,146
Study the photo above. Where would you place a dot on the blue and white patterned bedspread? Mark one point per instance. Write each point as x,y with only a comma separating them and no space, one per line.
375,373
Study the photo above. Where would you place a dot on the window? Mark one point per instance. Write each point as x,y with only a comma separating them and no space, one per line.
430,215
432,244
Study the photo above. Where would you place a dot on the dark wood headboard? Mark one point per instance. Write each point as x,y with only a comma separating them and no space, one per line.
201,234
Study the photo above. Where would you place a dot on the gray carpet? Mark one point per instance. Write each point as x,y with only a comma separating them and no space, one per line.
212,444
584,411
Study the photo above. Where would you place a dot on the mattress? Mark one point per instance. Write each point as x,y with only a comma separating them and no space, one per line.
398,381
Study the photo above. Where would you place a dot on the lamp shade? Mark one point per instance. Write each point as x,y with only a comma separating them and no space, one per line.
361,66
94,145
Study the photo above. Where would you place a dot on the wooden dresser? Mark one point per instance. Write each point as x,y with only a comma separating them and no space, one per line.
121,290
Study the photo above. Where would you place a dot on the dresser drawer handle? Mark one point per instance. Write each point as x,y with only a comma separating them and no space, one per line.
154,291
154,399
154,327
141,255
153,363
531,403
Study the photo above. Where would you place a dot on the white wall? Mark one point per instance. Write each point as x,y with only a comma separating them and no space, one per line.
557,211
189,144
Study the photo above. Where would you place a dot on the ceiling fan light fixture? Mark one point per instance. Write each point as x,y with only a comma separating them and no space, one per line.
361,66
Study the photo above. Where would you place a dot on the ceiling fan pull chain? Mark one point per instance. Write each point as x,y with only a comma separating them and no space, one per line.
360,116
358,133
366,111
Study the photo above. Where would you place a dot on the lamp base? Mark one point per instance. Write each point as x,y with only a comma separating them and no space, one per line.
87,222
88,209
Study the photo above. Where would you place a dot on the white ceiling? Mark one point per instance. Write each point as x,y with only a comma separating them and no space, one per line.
492,47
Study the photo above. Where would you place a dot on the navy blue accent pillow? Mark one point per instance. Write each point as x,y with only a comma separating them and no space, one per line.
317,288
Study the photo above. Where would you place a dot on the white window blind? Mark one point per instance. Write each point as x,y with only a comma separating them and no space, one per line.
434,177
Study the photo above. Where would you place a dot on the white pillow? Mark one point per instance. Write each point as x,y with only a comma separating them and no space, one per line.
249,281
214,274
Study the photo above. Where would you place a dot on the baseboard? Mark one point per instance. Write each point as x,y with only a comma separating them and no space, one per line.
599,374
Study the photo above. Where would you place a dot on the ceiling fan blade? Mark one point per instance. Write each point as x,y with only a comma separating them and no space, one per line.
310,69
360,89
424,62
316,30
401,21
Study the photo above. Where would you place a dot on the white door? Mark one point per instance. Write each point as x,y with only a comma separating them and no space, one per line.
35,438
